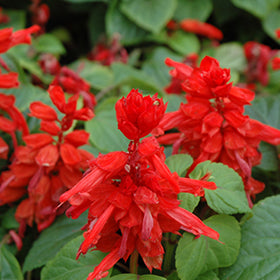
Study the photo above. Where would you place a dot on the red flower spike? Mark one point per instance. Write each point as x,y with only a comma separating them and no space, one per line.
212,125
201,28
132,197
47,165
258,57
138,115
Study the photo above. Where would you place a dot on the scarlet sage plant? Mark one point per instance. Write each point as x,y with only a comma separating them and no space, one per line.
132,196
212,125
49,164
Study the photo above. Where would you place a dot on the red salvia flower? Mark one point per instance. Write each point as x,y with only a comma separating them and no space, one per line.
9,39
40,14
258,57
138,115
72,83
201,28
49,164
181,74
107,54
132,196
212,125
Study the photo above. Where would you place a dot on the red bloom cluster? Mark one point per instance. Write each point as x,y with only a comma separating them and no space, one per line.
258,57
212,125
132,196
10,125
69,80
49,164
11,118
107,54
40,14
138,115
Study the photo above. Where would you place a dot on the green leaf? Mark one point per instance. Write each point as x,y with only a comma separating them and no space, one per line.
65,266
151,15
179,163
103,128
271,23
136,277
231,55
17,19
188,201
8,219
155,66
9,266
259,257
48,43
198,9
258,8
209,275
97,75
196,256
26,94
229,197
174,101
52,240
269,157
96,22
117,22
173,276
134,78
265,110
184,43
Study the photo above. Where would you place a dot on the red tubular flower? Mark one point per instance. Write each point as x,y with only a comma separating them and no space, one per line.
8,39
40,14
132,197
107,54
48,165
201,28
72,83
138,115
258,57
212,125
180,73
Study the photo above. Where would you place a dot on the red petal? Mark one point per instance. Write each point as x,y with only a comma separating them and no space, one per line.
37,140
42,111
47,156
192,223
57,97
77,138
69,154
50,127
9,80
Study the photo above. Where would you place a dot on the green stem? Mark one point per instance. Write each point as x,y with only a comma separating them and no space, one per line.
169,250
133,266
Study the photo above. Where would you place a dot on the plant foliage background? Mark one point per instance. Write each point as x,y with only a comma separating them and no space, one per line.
249,238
